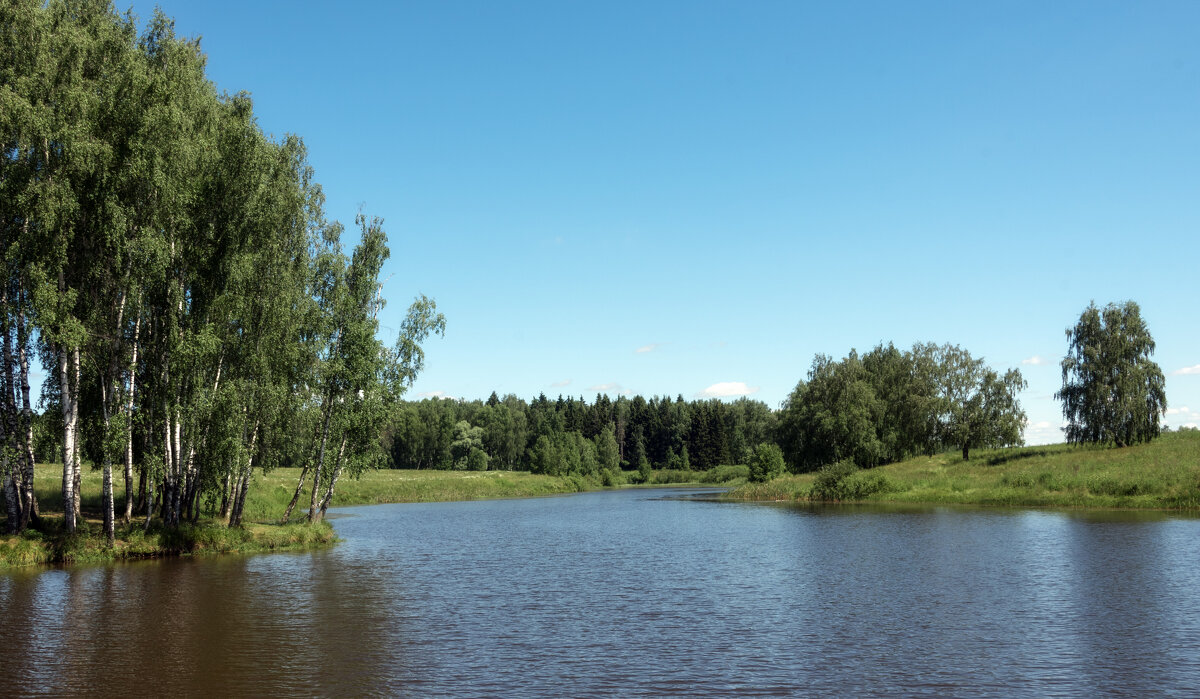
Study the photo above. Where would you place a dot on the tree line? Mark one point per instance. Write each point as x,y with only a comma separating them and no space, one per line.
172,268
883,406
569,436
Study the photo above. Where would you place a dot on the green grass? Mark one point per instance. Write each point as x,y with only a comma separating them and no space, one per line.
265,505
270,494
1164,474
87,545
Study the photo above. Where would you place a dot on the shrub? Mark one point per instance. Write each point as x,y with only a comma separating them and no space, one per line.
844,481
724,474
477,460
610,477
766,462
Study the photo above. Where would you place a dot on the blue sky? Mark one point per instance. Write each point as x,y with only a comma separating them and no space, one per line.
667,197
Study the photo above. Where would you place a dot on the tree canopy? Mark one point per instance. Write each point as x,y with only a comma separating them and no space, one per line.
888,405
1112,392
173,267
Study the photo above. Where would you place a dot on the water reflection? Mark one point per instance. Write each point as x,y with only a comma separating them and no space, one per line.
624,592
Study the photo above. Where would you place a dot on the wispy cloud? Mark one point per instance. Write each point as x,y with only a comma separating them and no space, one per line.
727,389
1036,360
432,394
560,384
1187,371
648,348
605,387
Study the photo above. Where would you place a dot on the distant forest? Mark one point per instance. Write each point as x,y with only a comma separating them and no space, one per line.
571,436
883,406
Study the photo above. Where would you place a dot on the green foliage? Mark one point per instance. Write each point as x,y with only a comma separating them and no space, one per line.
976,407
612,477
890,405
643,470
1163,474
725,474
1112,392
766,462
477,460
828,483
467,439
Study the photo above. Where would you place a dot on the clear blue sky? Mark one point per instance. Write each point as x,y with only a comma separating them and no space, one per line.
732,187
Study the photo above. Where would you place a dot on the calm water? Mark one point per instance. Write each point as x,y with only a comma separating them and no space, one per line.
626,593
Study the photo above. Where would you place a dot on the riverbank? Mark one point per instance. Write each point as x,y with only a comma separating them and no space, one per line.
266,503
205,538
1164,474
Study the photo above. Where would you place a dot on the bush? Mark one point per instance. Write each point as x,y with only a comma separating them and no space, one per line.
666,476
844,481
477,460
828,483
864,484
643,471
724,474
611,477
766,462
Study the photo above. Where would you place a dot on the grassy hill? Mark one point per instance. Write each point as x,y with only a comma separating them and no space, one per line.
1164,474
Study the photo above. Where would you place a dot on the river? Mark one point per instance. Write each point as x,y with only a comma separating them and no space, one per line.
636,592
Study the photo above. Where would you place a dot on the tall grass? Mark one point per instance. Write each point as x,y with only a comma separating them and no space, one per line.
1164,474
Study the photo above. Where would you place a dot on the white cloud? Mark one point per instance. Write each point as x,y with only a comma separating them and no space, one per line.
1043,432
1036,360
560,384
432,394
1187,371
727,389
605,387
648,348
1182,416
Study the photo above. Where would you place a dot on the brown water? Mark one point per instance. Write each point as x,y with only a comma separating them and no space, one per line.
628,593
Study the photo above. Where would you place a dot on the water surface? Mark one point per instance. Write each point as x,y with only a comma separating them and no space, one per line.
626,592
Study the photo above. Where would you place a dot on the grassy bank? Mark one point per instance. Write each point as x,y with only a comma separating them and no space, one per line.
206,538
1164,474
265,505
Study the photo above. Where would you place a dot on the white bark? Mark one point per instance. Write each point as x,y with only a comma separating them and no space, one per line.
29,508
337,471
68,410
132,385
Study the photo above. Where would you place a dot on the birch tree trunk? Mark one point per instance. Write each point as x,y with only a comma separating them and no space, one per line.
76,457
316,488
8,424
235,518
106,490
11,501
168,467
287,514
132,385
30,507
337,471
226,499
68,410
149,500
176,454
